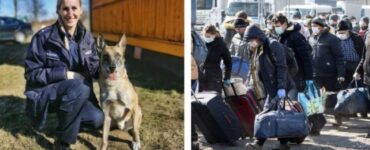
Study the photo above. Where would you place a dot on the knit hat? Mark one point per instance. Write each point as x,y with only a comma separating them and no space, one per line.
319,21
240,23
365,20
343,25
254,31
334,17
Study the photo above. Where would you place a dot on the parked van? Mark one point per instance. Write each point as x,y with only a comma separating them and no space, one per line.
312,10
365,10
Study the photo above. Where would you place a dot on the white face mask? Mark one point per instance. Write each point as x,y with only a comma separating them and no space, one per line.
342,36
279,30
315,30
253,44
269,26
209,39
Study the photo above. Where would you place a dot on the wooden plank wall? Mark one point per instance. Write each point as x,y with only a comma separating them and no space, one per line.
157,25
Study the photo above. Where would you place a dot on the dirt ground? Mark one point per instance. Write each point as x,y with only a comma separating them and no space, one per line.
350,136
162,106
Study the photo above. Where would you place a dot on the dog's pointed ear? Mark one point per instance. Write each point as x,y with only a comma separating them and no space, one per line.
100,43
122,42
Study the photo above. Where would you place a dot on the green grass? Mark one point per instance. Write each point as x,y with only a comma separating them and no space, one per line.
160,96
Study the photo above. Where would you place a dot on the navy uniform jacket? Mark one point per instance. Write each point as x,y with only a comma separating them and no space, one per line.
47,62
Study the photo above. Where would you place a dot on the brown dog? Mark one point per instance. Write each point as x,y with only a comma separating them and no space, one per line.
118,98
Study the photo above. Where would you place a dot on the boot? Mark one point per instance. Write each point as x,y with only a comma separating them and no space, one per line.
59,145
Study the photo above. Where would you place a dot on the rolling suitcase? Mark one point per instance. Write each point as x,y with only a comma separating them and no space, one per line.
245,107
215,119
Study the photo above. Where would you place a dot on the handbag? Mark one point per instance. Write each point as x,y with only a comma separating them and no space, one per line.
352,100
276,121
311,100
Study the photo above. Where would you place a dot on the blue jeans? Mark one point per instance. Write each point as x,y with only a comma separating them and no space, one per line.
74,109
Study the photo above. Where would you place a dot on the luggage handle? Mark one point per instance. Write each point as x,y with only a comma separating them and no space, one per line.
193,94
311,88
232,87
353,81
288,100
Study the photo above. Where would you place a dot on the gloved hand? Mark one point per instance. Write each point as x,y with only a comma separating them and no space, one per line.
309,82
341,79
227,82
356,76
281,93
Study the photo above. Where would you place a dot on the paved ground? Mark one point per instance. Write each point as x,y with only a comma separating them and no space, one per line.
350,136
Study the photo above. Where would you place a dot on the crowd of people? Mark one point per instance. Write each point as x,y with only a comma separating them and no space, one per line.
330,52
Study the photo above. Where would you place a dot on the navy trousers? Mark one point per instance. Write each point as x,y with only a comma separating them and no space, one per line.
74,109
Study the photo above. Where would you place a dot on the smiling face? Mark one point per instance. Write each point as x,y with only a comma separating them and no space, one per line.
69,11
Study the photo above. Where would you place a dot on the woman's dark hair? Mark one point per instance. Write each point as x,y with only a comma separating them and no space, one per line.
241,14
279,18
211,29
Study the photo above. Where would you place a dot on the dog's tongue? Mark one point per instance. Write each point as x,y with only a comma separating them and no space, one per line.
112,76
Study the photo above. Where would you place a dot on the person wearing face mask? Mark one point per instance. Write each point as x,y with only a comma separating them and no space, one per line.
328,61
352,49
290,36
333,21
364,25
229,26
269,73
269,30
217,51
355,25
60,65
238,46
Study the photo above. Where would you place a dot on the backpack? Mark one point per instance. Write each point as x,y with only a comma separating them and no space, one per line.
290,59
200,50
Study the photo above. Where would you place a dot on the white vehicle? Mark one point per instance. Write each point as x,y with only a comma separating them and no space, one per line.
312,10
365,11
251,7
209,12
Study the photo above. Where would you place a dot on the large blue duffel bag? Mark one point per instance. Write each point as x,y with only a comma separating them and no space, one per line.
277,122
352,100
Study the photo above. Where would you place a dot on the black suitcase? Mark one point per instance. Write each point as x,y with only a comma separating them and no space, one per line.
215,119
318,122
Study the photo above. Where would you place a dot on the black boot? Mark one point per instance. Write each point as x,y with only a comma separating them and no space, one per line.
194,146
59,145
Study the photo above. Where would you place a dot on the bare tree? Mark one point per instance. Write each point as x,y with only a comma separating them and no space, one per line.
37,9
15,3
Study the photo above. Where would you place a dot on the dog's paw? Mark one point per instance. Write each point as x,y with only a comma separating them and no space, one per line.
136,145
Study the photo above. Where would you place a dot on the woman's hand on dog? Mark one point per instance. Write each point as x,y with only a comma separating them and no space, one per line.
74,75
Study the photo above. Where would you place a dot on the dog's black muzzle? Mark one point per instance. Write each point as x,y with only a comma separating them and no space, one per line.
112,68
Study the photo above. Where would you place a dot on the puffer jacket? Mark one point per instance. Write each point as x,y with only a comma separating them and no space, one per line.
327,55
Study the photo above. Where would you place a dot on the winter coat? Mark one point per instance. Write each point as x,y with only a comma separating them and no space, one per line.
327,55
273,68
238,46
363,67
48,61
297,42
212,79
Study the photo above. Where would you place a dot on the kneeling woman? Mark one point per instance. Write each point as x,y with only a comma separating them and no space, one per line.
60,64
